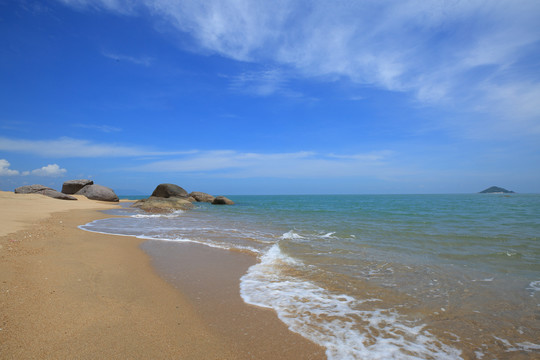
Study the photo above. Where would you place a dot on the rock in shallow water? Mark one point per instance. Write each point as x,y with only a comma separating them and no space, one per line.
161,205
222,200
169,190
201,197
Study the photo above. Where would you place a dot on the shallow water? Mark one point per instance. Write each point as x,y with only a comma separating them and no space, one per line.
380,276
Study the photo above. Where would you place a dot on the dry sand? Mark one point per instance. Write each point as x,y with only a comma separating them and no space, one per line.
71,294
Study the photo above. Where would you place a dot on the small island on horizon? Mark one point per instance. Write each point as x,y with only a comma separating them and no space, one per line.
496,190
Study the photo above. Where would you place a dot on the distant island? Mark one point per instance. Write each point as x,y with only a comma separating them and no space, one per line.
496,190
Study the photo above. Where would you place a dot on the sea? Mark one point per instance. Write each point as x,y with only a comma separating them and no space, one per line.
378,276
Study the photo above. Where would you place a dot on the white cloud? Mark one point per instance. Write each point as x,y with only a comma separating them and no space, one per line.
453,53
102,128
74,148
303,164
141,60
49,170
120,6
52,170
261,83
5,170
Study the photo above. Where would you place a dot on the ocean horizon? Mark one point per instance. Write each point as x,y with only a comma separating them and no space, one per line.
425,276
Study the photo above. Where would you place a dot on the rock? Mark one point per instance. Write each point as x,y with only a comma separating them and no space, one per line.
98,192
72,186
222,200
202,197
161,205
43,190
31,189
496,190
169,190
57,195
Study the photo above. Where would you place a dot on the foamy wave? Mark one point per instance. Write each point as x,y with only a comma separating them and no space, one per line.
334,321
290,235
328,235
534,287
175,213
524,346
211,244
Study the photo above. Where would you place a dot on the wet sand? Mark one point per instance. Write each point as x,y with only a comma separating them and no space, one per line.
210,279
67,293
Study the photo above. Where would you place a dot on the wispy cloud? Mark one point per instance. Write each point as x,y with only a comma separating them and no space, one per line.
303,164
76,148
119,6
478,56
141,60
261,83
101,128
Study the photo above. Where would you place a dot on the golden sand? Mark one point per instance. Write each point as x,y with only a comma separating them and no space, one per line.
71,294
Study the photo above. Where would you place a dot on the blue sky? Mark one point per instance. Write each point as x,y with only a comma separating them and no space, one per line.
271,97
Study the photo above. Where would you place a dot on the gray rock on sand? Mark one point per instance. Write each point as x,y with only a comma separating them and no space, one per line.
201,197
222,200
43,190
98,192
162,205
31,189
72,186
169,190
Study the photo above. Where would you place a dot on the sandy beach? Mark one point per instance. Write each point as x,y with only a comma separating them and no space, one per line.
66,293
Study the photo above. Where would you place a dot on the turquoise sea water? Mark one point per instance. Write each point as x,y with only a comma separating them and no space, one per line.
380,276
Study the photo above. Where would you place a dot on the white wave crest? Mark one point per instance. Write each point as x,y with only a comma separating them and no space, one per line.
291,235
328,235
534,286
524,346
333,320
175,213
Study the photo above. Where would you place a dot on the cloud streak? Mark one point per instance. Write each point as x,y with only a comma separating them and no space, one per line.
303,164
473,55
75,148
142,60
222,163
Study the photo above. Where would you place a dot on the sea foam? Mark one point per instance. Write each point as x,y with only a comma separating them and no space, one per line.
173,214
534,286
331,320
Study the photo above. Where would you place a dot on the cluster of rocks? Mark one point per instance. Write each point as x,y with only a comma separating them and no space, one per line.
72,187
165,198
170,197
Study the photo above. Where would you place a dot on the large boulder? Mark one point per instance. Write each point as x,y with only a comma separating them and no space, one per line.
72,186
43,190
163,205
201,197
222,200
98,192
169,190
31,189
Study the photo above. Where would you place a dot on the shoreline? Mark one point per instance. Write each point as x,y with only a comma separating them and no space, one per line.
67,293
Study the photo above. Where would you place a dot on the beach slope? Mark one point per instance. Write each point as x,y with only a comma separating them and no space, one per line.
67,293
